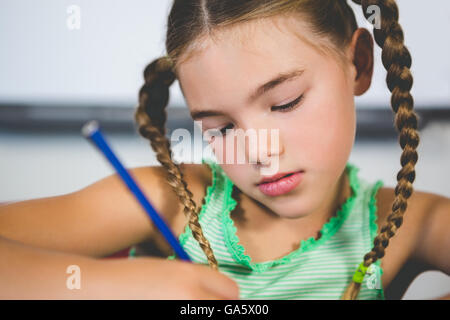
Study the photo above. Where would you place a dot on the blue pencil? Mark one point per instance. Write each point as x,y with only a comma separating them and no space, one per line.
91,131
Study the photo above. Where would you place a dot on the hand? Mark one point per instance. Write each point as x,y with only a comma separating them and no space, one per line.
157,278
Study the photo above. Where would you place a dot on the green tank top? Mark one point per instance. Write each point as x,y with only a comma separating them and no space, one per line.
319,269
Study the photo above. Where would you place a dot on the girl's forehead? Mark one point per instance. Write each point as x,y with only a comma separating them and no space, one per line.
235,61
248,51
276,37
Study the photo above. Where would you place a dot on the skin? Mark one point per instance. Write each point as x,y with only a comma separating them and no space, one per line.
316,136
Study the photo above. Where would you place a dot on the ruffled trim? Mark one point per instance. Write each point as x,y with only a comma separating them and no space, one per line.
374,226
132,252
327,231
373,209
209,192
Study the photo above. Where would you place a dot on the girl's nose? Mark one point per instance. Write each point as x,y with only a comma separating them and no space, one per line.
263,146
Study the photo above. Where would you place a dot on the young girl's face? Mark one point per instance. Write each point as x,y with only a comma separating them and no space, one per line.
315,136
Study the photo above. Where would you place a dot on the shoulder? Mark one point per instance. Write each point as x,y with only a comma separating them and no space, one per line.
196,177
403,246
419,206
199,174
154,180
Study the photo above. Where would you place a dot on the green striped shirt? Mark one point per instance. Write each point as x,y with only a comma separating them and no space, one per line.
318,269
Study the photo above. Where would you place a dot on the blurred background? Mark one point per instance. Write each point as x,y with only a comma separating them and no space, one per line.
63,63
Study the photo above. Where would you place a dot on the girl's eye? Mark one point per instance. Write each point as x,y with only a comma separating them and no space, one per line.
288,106
222,131
283,108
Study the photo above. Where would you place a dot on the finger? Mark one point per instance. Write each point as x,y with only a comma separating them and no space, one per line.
209,295
220,285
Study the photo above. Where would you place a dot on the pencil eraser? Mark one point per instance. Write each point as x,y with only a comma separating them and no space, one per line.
89,128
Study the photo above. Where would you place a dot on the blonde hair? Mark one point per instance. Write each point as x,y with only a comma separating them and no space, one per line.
190,21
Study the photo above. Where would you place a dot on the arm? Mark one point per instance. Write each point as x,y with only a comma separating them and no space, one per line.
34,273
433,248
96,221
447,297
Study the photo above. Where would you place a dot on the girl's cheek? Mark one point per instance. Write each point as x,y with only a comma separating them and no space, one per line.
218,146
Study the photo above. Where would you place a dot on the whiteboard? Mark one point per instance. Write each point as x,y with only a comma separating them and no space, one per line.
43,60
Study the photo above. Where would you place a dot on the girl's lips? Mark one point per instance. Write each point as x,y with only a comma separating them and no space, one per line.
283,185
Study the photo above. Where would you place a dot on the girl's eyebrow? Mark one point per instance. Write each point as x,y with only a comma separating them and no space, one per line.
269,85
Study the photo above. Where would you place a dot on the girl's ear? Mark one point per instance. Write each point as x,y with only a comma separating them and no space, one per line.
361,49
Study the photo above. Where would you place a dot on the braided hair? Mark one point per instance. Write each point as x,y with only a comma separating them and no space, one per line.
151,118
397,62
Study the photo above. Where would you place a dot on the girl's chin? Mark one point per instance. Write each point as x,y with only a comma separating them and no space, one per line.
288,211
292,216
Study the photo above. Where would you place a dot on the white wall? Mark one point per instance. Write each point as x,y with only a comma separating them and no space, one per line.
41,59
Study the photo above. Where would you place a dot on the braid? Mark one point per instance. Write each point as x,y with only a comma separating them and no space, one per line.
151,118
397,61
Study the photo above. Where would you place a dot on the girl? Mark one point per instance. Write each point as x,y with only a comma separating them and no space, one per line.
290,65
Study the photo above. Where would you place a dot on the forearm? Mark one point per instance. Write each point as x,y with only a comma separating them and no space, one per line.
33,273
446,297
